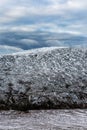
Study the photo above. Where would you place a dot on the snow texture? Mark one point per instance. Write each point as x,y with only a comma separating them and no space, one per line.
44,79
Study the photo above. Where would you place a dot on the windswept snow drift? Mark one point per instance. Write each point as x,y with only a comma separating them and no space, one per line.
44,78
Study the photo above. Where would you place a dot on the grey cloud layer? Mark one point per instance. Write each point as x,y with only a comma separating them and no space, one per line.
27,24
45,15
30,40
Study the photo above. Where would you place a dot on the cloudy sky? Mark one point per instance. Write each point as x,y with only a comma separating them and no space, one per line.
44,15
27,24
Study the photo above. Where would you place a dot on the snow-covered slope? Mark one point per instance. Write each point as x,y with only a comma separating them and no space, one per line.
44,78
8,49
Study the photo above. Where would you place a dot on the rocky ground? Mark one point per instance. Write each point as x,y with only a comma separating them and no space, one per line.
44,78
44,120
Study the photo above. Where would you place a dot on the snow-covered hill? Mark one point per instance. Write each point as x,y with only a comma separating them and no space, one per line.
44,78
9,49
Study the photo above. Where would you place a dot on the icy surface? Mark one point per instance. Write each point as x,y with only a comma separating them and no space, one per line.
44,78
44,120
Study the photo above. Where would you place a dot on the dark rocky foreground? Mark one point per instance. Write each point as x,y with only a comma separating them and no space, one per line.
44,79
44,120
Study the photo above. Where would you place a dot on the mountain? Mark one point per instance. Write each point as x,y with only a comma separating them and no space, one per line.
44,78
